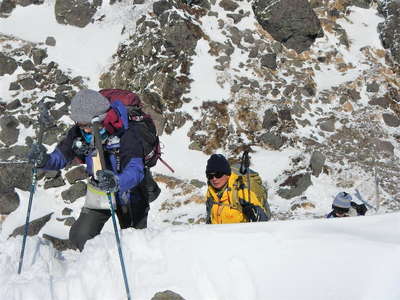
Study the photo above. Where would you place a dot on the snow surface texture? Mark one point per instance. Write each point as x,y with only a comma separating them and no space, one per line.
349,258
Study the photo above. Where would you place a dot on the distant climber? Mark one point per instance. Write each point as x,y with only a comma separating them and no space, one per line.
228,197
343,206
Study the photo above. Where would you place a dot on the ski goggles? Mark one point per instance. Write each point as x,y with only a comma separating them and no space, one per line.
216,175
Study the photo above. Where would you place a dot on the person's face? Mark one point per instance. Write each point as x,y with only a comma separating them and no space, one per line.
340,215
217,180
85,127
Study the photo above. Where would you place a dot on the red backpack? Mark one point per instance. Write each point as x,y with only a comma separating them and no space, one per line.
142,122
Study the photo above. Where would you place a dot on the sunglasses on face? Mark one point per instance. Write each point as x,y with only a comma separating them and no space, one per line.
216,175
341,211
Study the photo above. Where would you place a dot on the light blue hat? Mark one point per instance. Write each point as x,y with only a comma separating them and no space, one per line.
342,200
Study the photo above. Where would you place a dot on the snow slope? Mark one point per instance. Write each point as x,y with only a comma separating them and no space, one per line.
351,258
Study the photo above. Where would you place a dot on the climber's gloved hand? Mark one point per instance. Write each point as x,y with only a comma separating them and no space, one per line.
107,181
38,156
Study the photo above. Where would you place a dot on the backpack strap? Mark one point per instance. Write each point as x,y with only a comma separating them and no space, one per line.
211,196
239,185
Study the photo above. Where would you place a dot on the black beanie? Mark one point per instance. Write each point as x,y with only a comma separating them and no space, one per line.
218,163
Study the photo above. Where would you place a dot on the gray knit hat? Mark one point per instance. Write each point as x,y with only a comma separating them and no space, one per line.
88,104
342,200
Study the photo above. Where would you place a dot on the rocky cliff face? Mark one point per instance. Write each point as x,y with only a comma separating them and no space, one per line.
270,57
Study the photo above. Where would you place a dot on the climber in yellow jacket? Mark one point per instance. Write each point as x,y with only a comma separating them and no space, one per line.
228,195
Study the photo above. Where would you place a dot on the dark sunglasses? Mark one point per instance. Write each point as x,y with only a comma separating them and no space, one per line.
340,210
216,175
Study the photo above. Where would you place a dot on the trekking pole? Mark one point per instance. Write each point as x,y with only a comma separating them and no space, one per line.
359,197
99,147
376,189
44,122
245,169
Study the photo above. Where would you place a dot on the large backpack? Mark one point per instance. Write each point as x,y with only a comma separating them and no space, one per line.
142,122
256,186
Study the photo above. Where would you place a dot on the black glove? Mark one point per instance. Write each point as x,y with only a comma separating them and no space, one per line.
252,212
107,181
82,148
361,209
38,156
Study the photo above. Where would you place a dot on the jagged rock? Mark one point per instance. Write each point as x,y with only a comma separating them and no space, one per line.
298,184
51,135
6,7
303,205
317,162
373,87
361,3
291,22
308,90
157,61
75,12
272,140
269,61
14,86
9,131
25,120
270,119
69,221
15,175
50,41
59,244
161,6
383,102
228,5
28,83
285,115
29,2
13,104
382,146
76,191
235,17
328,125
7,65
9,202
38,55
77,80
18,152
197,183
181,35
390,28
34,226
76,174
61,78
28,65
54,182
167,295
59,113
353,94
66,211
49,174
391,120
